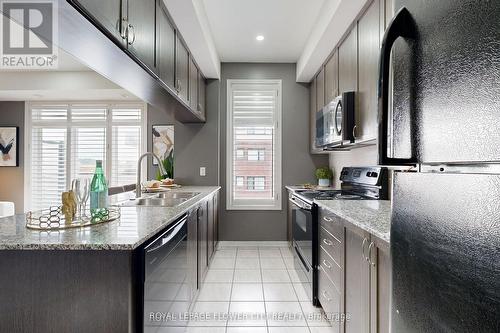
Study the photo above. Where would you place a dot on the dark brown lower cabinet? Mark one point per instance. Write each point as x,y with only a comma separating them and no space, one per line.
380,287
192,251
202,241
210,228
216,219
357,281
202,238
354,277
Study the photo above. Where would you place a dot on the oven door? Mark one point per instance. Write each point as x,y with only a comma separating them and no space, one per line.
302,230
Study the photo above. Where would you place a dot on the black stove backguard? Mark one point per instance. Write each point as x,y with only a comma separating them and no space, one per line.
371,182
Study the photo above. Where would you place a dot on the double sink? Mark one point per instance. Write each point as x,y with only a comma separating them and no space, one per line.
166,199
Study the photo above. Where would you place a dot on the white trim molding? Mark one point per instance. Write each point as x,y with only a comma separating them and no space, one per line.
273,203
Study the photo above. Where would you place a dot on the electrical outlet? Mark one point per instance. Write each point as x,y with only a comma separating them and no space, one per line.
203,171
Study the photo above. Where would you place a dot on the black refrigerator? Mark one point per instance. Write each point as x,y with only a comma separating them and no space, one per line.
444,120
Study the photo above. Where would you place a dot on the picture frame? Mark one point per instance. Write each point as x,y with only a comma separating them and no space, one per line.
9,146
162,141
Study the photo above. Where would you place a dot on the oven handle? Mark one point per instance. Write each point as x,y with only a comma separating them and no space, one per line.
299,203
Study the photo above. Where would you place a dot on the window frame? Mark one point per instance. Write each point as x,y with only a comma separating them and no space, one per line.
68,124
254,204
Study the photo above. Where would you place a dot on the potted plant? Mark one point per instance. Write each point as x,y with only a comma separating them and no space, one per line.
168,165
324,174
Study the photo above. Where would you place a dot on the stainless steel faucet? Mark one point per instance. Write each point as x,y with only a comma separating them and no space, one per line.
138,188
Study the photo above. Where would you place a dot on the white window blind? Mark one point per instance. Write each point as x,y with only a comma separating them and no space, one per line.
254,117
67,139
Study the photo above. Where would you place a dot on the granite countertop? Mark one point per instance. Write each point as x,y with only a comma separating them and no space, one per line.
136,225
373,216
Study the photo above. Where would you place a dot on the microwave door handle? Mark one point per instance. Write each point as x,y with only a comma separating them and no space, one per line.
402,25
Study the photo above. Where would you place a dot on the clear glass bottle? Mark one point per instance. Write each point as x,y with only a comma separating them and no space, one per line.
98,192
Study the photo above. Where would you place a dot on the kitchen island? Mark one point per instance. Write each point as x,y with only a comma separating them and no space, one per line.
85,279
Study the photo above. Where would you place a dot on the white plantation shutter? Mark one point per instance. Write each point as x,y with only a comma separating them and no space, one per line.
88,144
127,134
254,144
88,138
67,139
48,166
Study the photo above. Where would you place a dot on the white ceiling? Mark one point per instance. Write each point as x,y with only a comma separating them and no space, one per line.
285,24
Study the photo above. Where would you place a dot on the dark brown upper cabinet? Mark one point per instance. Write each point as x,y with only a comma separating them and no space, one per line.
202,87
144,29
181,70
193,85
368,56
320,89
165,46
332,77
107,14
141,25
348,62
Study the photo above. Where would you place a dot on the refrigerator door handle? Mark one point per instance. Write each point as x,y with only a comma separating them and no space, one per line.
402,25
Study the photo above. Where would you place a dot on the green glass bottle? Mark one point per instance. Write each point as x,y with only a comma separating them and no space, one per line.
98,193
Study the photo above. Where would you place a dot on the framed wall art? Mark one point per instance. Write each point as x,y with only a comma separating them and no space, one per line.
9,152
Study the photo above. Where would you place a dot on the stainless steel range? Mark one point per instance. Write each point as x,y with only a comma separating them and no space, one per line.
357,183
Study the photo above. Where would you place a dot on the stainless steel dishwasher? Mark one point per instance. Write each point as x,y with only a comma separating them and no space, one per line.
167,286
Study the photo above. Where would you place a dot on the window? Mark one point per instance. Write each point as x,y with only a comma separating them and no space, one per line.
253,118
256,183
240,154
256,154
67,138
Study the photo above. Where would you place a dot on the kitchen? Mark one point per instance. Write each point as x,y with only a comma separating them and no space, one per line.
161,163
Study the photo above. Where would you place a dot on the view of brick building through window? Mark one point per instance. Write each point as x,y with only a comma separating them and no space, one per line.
253,164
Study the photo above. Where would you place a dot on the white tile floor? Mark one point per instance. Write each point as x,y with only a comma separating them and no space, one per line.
253,289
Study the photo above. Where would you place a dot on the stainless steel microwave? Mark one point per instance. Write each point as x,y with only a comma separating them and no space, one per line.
335,122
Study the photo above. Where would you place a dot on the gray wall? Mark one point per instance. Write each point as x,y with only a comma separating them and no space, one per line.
195,145
12,178
297,166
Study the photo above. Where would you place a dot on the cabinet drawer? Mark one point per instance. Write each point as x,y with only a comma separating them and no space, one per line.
329,299
331,245
330,267
332,223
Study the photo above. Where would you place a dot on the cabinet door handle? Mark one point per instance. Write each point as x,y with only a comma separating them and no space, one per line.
123,27
130,29
363,248
369,258
327,219
327,242
325,294
327,264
